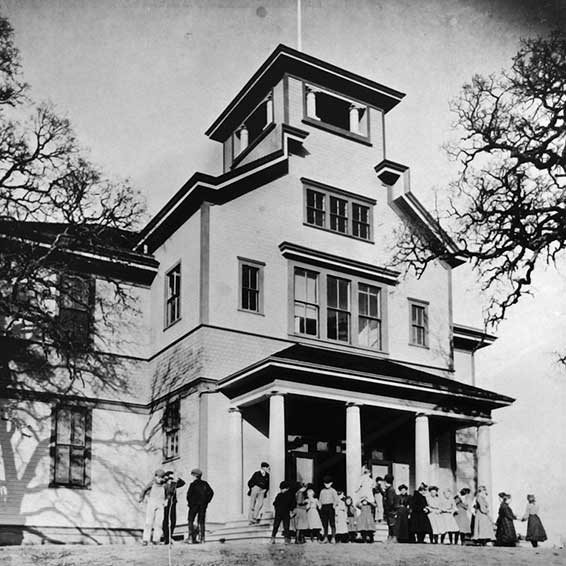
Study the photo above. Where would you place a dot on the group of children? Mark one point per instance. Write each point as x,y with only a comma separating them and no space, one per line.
438,514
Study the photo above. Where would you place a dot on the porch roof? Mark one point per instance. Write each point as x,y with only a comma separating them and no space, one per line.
317,366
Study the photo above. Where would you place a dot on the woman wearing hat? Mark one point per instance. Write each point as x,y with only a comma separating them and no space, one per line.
505,534
419,522
483,525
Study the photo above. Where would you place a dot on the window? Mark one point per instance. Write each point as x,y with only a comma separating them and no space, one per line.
339,211
338,309
316,214
75,309
171,426
306,302
360,221
251,285
70,449
173,295
419,323
336,113
339,215
325,308
253,126
369,316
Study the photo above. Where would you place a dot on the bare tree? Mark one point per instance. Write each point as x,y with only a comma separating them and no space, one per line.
56,210
507,211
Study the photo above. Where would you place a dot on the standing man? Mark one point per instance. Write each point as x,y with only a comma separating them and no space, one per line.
154,508
390,504
258,486
199,496
170,512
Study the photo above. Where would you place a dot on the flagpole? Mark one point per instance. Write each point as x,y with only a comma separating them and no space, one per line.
299,41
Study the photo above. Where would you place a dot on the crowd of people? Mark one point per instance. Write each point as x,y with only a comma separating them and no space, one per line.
429,515
331,516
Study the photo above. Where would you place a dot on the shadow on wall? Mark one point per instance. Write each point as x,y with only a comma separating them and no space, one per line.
27,501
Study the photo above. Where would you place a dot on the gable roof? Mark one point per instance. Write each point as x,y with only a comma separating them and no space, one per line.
283,60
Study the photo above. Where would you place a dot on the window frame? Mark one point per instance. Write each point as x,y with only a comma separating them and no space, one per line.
354,281
171,431
168,323
87,447
351,199
419,303
368,316
336,310
88,308
363,138
307,303
255,264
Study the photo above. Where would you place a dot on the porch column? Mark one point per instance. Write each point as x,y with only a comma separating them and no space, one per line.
422,449
235,448
483,453
353,448
276,442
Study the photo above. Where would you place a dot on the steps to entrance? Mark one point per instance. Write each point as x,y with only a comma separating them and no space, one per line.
242,530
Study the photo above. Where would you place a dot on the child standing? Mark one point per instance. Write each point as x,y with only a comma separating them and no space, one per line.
313,517
154,508
352,519
284,503
535,530
301,517
433,504
328,499
366,522
341,519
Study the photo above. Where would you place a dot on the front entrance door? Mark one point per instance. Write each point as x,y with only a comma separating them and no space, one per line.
311,467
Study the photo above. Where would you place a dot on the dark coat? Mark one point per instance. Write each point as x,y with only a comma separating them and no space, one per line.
199,493
419,522
259,479
284,502
390,504
402,525
505,534
171,488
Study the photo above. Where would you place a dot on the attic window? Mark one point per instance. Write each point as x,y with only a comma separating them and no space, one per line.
335,111
253,125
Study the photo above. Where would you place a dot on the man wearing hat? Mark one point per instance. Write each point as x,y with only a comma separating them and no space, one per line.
172,483
258,486
199,496
154,508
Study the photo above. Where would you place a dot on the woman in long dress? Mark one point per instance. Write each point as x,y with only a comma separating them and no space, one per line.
483,525
462,517
419,522
535,530
505,534
402,522
433,503
447,510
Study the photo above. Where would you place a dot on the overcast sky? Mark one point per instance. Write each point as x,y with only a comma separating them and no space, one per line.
141,81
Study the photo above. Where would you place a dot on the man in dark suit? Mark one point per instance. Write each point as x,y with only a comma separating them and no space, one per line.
390,505
199,496
170,511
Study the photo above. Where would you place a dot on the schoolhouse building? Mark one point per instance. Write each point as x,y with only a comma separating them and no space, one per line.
271,327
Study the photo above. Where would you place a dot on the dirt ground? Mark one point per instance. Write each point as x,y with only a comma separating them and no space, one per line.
262,553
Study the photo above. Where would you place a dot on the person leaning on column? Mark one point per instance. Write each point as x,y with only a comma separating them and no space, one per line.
258,486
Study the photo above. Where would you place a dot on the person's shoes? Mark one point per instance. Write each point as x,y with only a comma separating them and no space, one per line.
144,542
287,541
272,540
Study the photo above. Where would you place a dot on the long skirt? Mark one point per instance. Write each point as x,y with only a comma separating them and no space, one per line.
535,530
341,521
313,517
463,521
402,525
301,519
449,524
420,523
483,527
505,534
436,523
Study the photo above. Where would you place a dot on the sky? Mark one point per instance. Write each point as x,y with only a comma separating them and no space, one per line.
141,82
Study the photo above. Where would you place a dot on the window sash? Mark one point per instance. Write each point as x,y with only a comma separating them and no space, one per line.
306,310
360,221
339,215
70,447
250,288
418,325
338,308
316,213
173,300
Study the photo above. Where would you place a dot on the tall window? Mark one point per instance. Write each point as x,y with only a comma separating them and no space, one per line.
70,451
173,295
338,308
75,308
306,302
339,215
419,323
360,221
369,316
171,426
251,285
315,208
